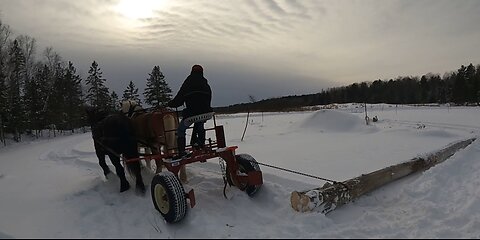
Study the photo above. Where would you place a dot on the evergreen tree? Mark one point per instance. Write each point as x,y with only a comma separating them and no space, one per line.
459,88
3,99
55,99
4,38
29,47
115,104
470,83
477,84
157,93
97,94
69,91
131,93
36,93
3,92
14,104
54,63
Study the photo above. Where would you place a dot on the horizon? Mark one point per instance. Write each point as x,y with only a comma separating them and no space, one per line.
265,49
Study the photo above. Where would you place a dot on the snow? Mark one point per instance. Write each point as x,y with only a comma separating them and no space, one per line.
54,188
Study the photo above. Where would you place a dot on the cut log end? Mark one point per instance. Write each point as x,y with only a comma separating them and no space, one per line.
299,202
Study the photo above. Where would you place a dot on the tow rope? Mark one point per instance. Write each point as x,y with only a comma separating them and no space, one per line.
303,174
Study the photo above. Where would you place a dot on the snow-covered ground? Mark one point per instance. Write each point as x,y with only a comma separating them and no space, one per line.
54,188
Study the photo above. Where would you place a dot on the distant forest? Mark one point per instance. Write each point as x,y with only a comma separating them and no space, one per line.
43,91
460,87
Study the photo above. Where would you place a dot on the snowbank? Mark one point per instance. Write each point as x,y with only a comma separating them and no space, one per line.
335,121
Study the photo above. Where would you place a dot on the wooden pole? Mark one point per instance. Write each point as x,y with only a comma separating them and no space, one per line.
2,136
366,115
246,125
330,196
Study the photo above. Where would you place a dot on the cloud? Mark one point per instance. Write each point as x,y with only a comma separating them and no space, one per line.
271,41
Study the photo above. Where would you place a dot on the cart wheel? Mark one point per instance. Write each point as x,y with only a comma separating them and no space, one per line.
246,164
168,196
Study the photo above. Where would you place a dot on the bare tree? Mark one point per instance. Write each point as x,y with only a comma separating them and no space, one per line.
29,48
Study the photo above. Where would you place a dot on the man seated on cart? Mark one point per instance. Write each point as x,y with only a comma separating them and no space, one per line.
197,96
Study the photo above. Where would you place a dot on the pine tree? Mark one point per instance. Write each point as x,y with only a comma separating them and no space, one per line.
4,38
470,84
157,93
97,94
71,93
131,93
115,104
459,88
36,93
3,90
54,63
3,99
14,103
29,48
55,99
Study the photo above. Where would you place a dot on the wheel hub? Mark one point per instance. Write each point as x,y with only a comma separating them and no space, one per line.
161,198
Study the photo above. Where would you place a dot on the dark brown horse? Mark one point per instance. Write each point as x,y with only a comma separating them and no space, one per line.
113,135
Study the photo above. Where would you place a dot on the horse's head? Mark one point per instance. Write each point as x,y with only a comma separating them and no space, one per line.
95,114
129,107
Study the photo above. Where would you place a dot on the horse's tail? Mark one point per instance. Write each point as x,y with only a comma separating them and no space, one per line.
134,167
130,147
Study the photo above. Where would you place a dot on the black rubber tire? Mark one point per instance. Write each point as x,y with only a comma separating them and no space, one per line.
246,164
168,196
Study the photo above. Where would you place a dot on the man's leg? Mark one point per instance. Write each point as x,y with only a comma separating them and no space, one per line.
194,138
181,133
200,131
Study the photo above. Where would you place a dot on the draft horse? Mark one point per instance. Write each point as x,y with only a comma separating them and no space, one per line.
113,134
154,130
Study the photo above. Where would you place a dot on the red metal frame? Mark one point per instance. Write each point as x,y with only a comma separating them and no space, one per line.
215,148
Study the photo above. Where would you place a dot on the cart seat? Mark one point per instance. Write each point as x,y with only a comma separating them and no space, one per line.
199,118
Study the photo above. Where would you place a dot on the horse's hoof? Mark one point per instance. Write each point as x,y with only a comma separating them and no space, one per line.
140,191
106,173
124,187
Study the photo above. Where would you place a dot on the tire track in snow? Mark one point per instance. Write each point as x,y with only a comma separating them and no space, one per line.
468,128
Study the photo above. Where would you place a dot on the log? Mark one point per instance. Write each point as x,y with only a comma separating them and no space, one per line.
331,196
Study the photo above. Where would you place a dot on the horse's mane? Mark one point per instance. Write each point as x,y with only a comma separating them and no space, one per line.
95,114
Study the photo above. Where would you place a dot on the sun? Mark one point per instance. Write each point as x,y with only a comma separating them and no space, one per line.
137,9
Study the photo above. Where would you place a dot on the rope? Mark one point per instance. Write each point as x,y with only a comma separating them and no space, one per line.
303,174
109,149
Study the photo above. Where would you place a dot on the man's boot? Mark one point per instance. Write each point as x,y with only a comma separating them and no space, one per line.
181,148
201,138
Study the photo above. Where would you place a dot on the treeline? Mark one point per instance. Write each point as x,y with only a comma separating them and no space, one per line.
460,87
46,92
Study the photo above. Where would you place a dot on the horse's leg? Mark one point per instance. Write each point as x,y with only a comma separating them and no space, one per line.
158,162
170,138
148,162
124,185
101,159
135,168
183,174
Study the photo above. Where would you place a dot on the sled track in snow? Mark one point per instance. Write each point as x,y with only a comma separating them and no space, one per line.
438,125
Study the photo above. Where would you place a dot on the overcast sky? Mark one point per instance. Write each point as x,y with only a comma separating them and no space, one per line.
263,48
